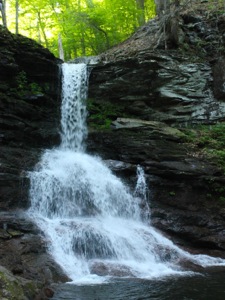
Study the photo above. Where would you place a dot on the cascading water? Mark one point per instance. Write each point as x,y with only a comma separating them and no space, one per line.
93,223
73,111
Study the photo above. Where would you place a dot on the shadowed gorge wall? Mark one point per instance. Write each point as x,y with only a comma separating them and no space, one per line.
29,117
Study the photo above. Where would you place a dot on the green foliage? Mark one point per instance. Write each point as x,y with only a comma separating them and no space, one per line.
172,194
209,141
86,27
24,87
101,116
216,5
21,81
212,139
16,288
35,88
10,286
222,199
216,190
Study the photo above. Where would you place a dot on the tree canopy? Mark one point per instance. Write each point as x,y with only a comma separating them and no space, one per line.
83,27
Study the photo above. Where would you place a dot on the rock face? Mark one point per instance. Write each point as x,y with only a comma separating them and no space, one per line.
182,186
147,89
23,250
162,86
29,112
178,86
29,120
14,288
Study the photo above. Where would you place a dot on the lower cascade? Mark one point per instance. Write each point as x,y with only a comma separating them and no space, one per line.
93,222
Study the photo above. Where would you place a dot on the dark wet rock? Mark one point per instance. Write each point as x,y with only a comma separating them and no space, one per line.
14,233
178,86
120,167
219,78
151,146
45,294
146,89
160,87
4,234
109,269
29,117
15,287
190,266
29,120
23,250
181,185
27,268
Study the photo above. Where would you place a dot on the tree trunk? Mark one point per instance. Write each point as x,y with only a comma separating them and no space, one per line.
60,46
38,32
162,7
17,16
4,21
42,29
168,13
173,27
141,13
82,31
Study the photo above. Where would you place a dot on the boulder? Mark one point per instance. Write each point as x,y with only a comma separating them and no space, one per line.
14,287
24,250
110,269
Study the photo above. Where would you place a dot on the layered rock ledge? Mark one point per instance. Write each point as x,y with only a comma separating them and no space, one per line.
149,96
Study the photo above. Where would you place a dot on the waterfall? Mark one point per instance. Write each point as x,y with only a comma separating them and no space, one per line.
73,112
94,224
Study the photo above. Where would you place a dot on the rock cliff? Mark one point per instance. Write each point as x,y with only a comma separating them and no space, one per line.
29,103
29,120
150,96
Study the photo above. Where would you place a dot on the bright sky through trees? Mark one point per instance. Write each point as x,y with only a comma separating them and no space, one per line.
86,27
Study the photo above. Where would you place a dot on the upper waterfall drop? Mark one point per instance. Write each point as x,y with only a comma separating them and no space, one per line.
73,110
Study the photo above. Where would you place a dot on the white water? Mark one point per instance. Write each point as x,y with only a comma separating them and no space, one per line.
73,111
92,221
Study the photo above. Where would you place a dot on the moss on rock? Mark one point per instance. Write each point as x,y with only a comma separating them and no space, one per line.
15,288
